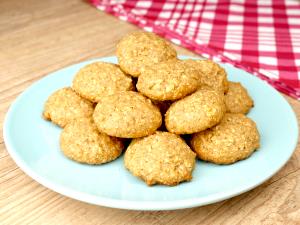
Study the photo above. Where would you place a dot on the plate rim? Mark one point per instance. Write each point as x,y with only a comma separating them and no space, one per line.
133,204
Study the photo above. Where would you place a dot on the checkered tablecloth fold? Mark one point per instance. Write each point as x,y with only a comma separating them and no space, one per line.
259,36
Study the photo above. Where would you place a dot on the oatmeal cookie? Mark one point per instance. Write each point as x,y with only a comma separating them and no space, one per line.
237,99
210,74
64,106
127,115
81,141
235,138
140,49
170,80
98,79
161,158
196,112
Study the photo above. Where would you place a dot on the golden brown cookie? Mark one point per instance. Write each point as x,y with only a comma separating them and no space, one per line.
82,142
64,106
196,112
237,99
234,138
140,49
210,74
127,115
161,158
98,79
170,80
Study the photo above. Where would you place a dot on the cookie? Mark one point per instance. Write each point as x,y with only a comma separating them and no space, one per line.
64,106
210,74
127,115
140,49
237,99
170,80
161,158
81,141
234,138
196,112
98,79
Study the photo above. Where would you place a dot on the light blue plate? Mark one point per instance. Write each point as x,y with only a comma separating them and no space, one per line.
34,145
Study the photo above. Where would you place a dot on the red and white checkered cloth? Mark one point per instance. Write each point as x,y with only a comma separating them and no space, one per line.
259,36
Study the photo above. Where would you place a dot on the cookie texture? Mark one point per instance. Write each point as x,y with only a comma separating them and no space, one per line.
161,158
81,141
127,115
140,49
170,80
237,99
210,74
98,79
196,112
64,106
234,138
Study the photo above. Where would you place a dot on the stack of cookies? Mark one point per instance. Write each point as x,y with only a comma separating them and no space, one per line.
153,99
